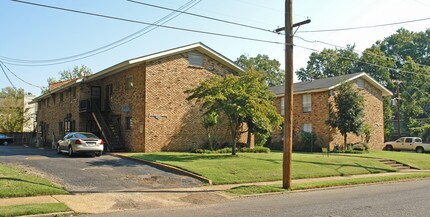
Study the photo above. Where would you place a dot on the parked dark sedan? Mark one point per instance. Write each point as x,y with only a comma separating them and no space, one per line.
5,140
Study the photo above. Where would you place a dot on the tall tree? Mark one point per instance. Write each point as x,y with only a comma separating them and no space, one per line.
347,111
76,72
238,98
329,63
12,113
274,75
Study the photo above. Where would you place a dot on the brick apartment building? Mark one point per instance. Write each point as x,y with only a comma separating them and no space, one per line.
311,109
138,104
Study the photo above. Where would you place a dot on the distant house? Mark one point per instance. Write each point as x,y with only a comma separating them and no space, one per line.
138,104
311,109
27,108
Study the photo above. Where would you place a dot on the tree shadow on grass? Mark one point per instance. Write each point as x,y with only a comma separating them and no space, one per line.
183,157
355,165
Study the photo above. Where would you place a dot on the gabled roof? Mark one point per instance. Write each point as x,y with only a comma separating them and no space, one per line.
327,84
200,47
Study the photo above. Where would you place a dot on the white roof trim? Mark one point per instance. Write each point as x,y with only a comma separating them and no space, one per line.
199,46
385,91
130,63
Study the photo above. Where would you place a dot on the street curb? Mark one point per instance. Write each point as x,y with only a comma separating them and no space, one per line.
55,214
166,168
327,188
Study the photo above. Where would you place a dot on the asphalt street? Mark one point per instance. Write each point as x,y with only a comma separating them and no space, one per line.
87,174
384,200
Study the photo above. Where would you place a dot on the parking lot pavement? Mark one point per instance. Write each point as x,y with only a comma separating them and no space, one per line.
87,174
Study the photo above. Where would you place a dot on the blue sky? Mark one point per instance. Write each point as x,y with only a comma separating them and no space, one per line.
35,33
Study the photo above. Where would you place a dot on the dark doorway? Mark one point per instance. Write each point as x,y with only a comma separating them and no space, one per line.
108,95
96,93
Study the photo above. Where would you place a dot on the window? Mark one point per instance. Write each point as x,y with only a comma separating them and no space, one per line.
128,123
418,140
74,92
195,59
282,105
61,97
307,128
408,140
129,83
360,83
53,98
306,103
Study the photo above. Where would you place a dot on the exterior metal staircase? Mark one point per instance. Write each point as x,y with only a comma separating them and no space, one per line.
111,130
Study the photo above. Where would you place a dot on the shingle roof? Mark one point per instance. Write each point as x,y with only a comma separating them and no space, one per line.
326,84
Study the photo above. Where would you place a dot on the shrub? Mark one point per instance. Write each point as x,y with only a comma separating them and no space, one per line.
258,149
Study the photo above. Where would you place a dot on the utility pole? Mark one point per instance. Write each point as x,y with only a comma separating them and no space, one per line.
288,94
398,107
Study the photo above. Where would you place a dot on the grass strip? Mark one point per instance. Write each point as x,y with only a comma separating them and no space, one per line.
261,167
32,209
254,189
16,182
420,161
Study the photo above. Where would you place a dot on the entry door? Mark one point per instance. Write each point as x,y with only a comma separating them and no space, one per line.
96,95
108,95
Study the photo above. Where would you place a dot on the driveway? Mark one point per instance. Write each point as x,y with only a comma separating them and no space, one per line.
86,174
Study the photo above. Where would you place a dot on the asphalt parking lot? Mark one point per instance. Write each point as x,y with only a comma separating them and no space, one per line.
87,174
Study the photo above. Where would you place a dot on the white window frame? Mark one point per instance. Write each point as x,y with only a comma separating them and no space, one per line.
307,127
195,59
307,103
282,104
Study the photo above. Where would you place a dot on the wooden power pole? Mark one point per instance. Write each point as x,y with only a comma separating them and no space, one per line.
399,133
289,76
288,116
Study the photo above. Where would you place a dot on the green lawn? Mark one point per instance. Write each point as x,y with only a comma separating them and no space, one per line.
420,161
253,189
15,182
260,167
32,209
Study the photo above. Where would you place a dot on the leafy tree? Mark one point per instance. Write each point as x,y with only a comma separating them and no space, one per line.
347,111
12,113
238,98
274,75
76,72
329,63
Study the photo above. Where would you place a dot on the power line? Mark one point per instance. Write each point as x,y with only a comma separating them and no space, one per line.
19,77
151,24
4,72
106,47
202,16
358,61
364,27
363,52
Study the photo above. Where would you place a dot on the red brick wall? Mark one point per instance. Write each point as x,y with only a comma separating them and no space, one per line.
173,123
373,108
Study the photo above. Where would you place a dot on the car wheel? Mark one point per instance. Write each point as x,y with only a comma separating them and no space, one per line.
419,150
58,149
70,151
5,143
98,154
389,148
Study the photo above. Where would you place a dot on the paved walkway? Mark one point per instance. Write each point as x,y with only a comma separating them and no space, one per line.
158,198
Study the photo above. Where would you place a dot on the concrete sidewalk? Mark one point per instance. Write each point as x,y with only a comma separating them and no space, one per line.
159,198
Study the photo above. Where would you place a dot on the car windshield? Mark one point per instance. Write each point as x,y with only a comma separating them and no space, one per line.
85,136
2,136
